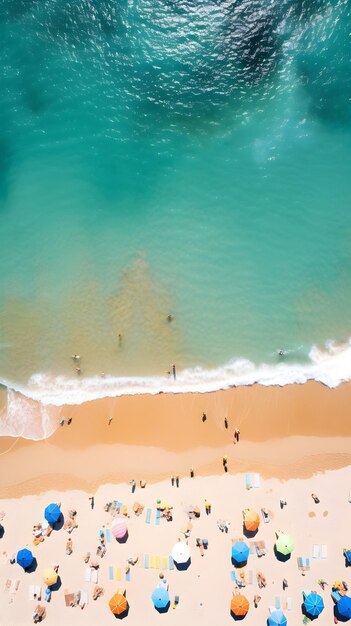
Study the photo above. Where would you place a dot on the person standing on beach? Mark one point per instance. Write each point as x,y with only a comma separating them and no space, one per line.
225,463
174,371
172,481
62,421
92,501
225,423
133,483
192,472
110,420
69,421
236,434
207,507
204,417
177,481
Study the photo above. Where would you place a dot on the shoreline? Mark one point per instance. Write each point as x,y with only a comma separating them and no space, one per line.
291,431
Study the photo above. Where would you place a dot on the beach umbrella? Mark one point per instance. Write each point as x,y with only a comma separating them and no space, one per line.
119,528
50,576
160,598
277,618
24,558
52,513
118,604
314,604
285,544
251,520
239,605
180,552
240,552
344,607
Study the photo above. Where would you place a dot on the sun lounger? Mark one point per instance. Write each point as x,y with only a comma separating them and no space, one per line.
164,562
118,574
108,534
148,516
256,481
277,602
233,576
289,603
324,551
247,481
84,598
146,561
158,517
260,548
94,576
316,551
171,563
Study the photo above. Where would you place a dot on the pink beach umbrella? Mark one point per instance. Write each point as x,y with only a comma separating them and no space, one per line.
119,528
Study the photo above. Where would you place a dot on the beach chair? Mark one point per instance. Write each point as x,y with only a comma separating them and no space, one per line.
260,548
146,561
158,517
164,562
324,551
171,563
118,574
148,516
316,551
108,535
247,481
277,602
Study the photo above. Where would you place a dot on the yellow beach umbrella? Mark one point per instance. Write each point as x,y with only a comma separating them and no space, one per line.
50,576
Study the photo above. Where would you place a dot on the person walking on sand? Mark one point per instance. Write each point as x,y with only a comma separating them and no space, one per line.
133,483
110,420
177,481
192,474
207,507
174,371
172,481
92,501
62,421
237,434
225,461
204,417
225,423
69,421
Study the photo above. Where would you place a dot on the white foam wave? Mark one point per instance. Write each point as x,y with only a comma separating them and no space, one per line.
330,366
27,418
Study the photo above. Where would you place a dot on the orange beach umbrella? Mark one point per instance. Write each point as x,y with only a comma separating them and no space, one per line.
118,604
251,520
239,605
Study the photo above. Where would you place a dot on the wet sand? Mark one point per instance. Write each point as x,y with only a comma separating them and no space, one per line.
292,431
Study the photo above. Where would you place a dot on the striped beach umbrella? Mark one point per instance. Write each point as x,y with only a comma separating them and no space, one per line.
285,544
314,604
240,552
119,528
277,618
251,520
239,605
24,558
50,576
52,513
118,604
343,607
160,598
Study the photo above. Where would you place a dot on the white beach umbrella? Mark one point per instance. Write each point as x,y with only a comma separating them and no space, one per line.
180,552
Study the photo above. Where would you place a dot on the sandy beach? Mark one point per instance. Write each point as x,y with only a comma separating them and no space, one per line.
296,438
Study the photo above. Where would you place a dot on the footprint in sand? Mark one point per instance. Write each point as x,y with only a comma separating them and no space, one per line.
325,513
311,514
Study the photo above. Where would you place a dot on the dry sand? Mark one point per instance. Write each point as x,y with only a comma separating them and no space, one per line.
205,589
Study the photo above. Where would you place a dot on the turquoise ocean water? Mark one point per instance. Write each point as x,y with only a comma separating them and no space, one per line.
181,157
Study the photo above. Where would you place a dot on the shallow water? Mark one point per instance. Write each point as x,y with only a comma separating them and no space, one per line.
162,157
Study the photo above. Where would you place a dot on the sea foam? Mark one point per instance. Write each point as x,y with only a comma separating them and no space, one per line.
32,410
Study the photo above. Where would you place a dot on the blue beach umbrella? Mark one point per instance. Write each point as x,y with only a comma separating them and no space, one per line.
240,552
160,598
277,618
314,604
24,558
52,513
343,607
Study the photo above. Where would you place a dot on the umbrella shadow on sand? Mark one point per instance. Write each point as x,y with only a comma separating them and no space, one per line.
182,566
249,534
164,609
281,557
2,531
59,524
32,567
339,616
56,586
122,615
307,614
238,564
237,618
123,539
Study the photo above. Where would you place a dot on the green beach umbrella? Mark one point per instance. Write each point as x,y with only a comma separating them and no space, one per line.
285,544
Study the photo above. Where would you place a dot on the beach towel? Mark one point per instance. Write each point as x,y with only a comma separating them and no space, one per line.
247,481
316,551
324,551
277,602
152,564
233,576
289,604
87,574
110,572
84,598
118,573
158,517
128,577
94,576
108,534
69,598
146,561
164,562
171,563
256,481
157,562
148,516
